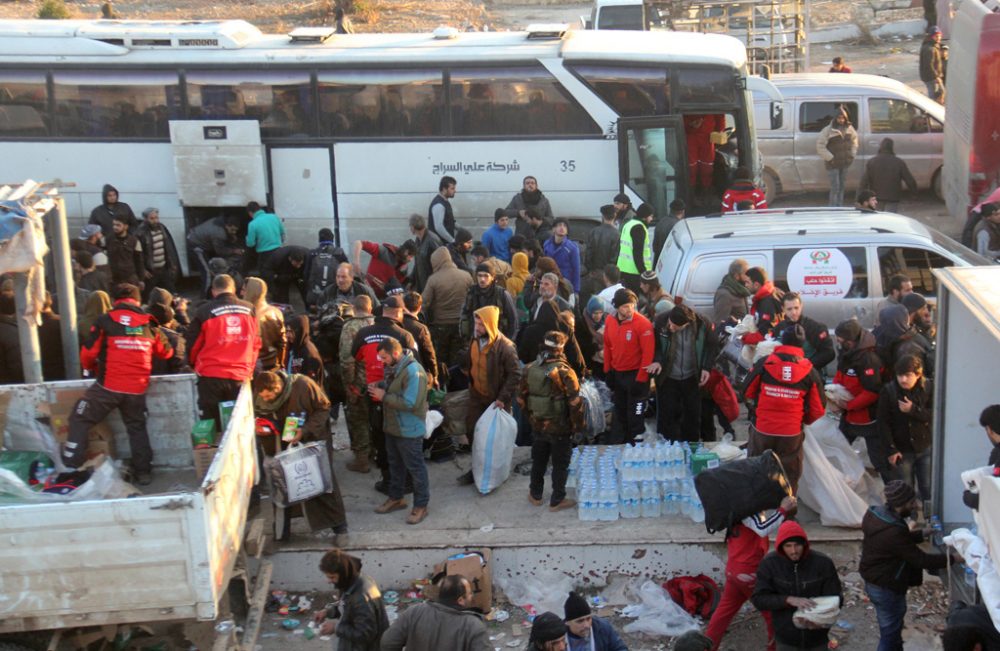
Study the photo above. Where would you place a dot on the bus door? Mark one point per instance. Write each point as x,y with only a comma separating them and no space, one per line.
652,160
302,190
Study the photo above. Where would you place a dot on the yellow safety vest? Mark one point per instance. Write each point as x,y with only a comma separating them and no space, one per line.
626,263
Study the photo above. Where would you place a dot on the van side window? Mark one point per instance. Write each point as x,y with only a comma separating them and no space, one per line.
915,263
813,116
831,281
898,116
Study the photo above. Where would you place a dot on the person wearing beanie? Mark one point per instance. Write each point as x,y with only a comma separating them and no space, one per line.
440,216
818,345
488,291
496,238
163,315
587,632
635,250
859,370
837,145
693,641
786,394
891,561
623,210
686,348
657,301
548,633
460,249
789,578
629,347
549,394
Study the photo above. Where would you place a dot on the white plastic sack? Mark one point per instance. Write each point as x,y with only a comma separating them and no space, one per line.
32,436
299,473
727,450
432,421
658,614
826,432
836,395
594,409
544,592
824,489
104,484
824,613
492,448
975,553
763,349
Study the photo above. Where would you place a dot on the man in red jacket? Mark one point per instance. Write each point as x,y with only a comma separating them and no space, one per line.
387,262
628,352
859,370
786,391
223,341
120,349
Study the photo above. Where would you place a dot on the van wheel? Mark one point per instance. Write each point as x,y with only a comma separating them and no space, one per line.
936,185
770,186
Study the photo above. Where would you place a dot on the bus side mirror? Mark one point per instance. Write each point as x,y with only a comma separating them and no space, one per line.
777,115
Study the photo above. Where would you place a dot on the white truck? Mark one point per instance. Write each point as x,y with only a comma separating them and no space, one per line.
165,556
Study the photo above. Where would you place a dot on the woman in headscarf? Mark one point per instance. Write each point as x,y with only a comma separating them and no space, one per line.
520,274
303,357
591,335
362,616
271,323
98,303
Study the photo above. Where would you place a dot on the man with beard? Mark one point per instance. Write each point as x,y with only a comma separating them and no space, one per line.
487,291
529,197
125,254
110,208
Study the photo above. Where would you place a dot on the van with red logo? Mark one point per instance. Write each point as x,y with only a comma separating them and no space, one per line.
839,259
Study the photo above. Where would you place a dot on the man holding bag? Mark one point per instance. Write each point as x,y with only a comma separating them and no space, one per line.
284,399
550,394
494,371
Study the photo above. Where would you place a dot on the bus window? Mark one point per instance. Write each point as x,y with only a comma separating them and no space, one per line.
630,91
280,101
815,115
712,86
115,104
23,109
514,102
381,103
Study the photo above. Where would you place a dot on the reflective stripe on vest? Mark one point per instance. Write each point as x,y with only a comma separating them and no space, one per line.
626,263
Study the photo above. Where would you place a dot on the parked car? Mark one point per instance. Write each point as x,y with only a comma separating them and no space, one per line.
879,107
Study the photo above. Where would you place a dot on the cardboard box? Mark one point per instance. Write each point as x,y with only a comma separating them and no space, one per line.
203,433
100,439
477,567
202,460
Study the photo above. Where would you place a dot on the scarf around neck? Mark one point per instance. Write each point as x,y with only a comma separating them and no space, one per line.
273,406
735,287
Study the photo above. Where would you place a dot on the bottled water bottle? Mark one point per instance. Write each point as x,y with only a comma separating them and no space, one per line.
684,497
697,510
626,463
650,500
586,501
629,499
662,461
609,501
574,469
669,501
649,463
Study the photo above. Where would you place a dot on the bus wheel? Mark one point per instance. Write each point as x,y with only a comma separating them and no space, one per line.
936,185
771,186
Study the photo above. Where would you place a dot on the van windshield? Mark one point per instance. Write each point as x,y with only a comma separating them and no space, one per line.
957,250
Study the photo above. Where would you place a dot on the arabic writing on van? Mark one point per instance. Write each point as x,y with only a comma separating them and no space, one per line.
820,272
467,168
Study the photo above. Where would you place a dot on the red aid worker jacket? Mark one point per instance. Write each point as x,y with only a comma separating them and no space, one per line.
743,191
223,339
121,346
629,346
785,387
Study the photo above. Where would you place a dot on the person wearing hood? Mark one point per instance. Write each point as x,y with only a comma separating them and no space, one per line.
277,397
519,274
446,623
159,251
529,198
905,407
788,579
548,633
787,395
487,291
302,356
989,420
360,620
765,305
549,317
494,371
591,336
891,562
837,145
897,334
98,303
885,174
460,249
160,296
403,395
110,208
549,394
859,370
586,631
743,189
444,296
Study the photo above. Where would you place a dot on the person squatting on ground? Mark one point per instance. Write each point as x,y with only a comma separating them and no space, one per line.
445,623
360,620
586,631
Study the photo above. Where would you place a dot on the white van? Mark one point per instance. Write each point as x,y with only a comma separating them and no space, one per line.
879,108
839,259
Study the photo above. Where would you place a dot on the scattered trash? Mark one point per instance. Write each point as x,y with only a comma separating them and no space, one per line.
514,644
390,597
486,528
497,636
502,616
658,614
225,627
290,624
597,601
393,613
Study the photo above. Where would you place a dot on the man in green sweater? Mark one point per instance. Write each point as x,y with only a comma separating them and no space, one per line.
265,235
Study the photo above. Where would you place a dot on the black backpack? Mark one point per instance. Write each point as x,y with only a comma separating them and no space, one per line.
331,326
740,489
323,270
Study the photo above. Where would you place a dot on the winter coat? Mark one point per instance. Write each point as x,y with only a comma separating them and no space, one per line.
120,347
727,304
818,346
837,145
432,626
426,354
765,306
178,362
519,203
546,319
629,346
563,385
364,348
602,247
446,289
885,173
351,370
604,635
105,213
567,256
890,557
787,390
931,61
125,259
382,267
93,281
910,432
363,619
210,236
814,575
405,401
502,371
496,295
301,355
144,233
422,265
860,372
496,240
215,347
706,343
11,369
333,293
519,274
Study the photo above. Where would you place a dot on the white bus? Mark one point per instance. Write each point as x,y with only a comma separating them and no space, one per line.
353,132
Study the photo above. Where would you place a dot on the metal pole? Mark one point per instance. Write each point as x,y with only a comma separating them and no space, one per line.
27,331
65,288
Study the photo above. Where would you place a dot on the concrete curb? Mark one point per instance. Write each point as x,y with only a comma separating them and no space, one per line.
850,31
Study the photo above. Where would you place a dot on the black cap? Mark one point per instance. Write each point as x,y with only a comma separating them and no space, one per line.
575,607
794,335
621,197
913,302
624,296
547,627
462,236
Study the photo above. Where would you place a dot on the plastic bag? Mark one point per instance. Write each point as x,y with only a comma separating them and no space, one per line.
824,613
836,395
492,448
31,436
727,450
104,484
432,421
824,489
607,397
826,432
658,614
299,473
594,409
455,406
544,592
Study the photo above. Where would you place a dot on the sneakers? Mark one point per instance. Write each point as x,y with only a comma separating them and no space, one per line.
417,515
535,501
466,479
562,506
389,506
